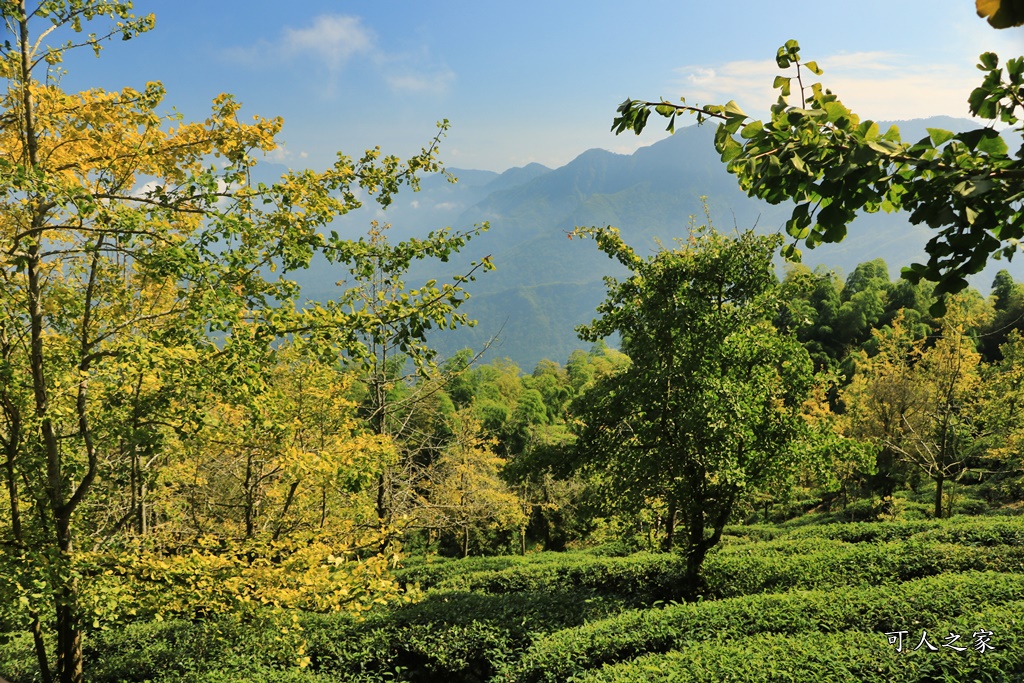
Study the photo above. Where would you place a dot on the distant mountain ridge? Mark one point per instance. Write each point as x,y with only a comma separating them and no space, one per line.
545,285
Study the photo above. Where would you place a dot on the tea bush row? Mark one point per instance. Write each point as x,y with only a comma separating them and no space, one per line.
965,530
560,655
735,574
450,636
839,657
467,636
261,646
430,572
649,577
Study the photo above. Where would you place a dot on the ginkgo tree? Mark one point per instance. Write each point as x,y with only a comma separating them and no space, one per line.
813,150
708,412
126,237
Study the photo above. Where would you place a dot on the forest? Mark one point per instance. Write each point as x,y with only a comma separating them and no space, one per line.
744,473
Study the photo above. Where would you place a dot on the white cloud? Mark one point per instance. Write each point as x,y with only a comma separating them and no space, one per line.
876,85
279,154
333,39
330,39
336,40
436,82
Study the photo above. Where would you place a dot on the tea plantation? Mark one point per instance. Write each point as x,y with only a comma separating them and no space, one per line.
810,603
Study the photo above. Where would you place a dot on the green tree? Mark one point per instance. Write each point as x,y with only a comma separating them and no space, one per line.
882,399
390,347
863,302
708,410
832,165
918,403
125,237
1008,315
945,435
1003,399
464,487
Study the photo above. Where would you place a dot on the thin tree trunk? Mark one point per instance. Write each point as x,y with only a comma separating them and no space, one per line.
939,478
69,635
35,627
670,525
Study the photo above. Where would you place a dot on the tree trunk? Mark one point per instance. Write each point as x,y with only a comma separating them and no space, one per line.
382,512
14,428
69,634
670,525
939,478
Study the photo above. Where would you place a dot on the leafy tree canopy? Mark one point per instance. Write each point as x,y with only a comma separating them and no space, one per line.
832,164
708,409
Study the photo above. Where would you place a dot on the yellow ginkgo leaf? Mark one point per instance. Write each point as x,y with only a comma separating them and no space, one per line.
1001,13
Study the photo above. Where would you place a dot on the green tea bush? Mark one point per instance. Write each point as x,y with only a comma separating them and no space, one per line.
736,573
265,645
264,640
977,531
645,577
785,546
429,573
17,658
754,532
450,635
839,656
966,530
560,655
866,532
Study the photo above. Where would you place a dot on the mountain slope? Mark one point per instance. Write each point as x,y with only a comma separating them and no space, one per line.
545,285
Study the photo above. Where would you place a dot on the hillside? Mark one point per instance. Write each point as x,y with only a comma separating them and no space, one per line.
545,285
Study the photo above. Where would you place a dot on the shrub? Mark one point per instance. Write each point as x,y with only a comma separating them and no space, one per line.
450,636
560,655
841,656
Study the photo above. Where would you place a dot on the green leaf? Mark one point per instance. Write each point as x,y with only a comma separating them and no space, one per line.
752,130
837,113
973,188
978,101
989,60
732,109
813,66
729,148
971,138
796,231
782,58
883,146
782,83
993,144
939,136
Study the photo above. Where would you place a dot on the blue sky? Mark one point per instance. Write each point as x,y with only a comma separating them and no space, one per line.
532,81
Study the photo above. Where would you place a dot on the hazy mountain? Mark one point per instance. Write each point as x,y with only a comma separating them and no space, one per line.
545,284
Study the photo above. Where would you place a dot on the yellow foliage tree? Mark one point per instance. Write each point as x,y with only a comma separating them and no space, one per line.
126,236
465,490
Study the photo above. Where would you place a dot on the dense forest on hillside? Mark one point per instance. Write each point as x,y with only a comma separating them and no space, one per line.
209,477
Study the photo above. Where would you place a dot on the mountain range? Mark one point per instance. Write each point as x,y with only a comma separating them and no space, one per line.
544,284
